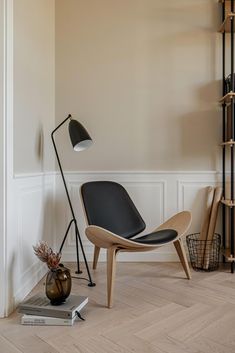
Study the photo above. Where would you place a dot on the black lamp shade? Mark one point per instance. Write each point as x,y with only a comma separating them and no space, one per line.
80,138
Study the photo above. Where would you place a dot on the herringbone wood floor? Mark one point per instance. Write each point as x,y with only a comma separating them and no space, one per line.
155,310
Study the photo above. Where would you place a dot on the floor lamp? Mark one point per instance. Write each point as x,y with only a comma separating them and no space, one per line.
80,140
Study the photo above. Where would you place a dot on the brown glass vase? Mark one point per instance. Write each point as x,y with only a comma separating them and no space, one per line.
58,285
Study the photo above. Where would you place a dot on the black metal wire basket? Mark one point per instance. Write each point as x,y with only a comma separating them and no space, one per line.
204,254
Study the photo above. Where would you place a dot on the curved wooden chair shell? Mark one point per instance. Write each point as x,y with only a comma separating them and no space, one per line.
114,243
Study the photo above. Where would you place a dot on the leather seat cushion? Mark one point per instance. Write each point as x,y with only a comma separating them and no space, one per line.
159,237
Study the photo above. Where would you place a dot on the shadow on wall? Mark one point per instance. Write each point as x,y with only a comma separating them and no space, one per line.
198,210
39,146
47,221
199,130
210,92
10,298
63,213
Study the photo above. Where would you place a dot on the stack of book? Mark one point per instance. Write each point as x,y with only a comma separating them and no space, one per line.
38,310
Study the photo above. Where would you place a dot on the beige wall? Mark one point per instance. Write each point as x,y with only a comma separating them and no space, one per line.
33,85
143,76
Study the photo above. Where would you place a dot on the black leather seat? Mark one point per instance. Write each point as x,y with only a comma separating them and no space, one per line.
159,237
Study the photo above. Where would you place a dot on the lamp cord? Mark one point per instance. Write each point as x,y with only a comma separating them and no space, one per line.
75,277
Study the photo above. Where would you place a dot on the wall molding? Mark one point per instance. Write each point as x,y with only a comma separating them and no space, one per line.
34,175
3,15
138,172
7,150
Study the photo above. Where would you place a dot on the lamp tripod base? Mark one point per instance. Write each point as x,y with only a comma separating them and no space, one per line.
91,284
78,272
78,239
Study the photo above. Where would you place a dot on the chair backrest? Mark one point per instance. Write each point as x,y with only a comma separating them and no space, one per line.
108,205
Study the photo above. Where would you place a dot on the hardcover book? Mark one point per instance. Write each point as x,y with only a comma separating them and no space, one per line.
40,305
35,320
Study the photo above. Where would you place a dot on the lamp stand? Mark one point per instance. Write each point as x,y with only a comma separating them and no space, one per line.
73,220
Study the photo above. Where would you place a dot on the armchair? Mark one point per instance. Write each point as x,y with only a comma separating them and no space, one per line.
113,221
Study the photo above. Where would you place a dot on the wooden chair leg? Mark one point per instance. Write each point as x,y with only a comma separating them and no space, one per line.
111,271
96,256
182,256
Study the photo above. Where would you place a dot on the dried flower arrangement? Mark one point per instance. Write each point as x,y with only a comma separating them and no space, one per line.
47,255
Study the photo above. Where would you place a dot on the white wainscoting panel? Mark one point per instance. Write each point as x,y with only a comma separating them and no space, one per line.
157,195
33,221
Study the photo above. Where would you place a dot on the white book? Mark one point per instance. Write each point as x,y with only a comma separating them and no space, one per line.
46,321
39,305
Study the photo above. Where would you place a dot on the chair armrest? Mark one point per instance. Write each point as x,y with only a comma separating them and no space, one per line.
179,222
105,239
